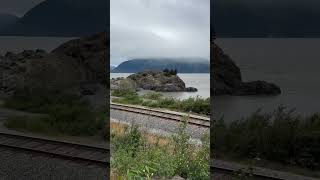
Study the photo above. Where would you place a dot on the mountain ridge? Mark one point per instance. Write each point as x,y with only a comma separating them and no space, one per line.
183,65
64,18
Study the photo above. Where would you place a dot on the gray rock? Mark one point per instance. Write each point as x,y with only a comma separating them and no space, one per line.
227,78
79,64
158,81
257,88
90,53
123,83
191,89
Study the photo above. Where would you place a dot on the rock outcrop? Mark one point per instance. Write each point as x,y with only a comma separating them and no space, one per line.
228,81
90,53
153,80
123,83
78,64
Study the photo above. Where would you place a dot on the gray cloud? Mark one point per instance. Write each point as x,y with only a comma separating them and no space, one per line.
153,28
17,7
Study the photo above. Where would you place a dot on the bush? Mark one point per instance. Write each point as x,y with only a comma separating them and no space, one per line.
64,114
129,99
41,102
197,105
38,125
280,136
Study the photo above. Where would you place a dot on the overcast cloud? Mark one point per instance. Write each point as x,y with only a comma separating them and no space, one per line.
159,28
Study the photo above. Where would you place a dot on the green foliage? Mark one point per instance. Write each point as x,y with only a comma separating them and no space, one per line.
280,136
135,158
41,102
123,93
153,95
129,98
196,105
38,125
170,72
64,114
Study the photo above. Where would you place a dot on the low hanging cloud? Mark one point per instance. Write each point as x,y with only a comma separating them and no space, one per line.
159,28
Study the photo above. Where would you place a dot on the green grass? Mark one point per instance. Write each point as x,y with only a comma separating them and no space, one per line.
155,100
281,136
153,95
65,114
135,158
122,93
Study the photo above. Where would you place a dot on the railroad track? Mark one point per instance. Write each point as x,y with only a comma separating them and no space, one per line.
199,121
231,168
57,149
100,156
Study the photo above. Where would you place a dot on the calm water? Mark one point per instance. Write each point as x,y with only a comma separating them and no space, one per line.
199,81
293,64
18,44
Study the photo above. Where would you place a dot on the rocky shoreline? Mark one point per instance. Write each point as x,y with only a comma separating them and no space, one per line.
152,80
228,80
77,65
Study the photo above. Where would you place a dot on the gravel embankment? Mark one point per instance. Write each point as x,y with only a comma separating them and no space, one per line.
155,124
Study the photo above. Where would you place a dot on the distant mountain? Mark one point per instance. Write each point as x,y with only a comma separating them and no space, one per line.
244,18
183,65
112,67
7,20
64,18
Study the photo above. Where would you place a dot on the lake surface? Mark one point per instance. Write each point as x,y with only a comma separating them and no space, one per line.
199,81
18,44
293,64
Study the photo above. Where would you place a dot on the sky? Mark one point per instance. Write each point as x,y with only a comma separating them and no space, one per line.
159,28
17,7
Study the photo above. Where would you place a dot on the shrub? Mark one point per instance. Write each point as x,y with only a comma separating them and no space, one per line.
65,114
280,136
38,125
129,99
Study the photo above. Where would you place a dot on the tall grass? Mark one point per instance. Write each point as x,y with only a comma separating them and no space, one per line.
134,157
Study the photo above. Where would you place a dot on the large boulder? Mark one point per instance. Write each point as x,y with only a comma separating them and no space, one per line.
16,69
91,52
227,78
122,83
159,81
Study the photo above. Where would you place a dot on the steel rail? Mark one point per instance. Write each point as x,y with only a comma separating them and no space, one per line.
169,115
57,149
100,156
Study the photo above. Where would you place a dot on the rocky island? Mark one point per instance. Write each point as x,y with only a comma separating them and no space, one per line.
153,80
227,78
